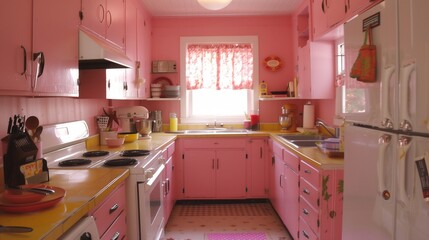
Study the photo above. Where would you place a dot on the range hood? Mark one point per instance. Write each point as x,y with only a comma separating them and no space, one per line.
95,53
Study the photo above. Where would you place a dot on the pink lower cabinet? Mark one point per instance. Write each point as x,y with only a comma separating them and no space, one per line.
257,168
320,203
214,168
284,187
291,192
110,215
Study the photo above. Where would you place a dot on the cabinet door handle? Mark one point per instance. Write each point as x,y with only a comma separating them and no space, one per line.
110,18
260,153
305,211
116,236
24,51
305,234
100,13
218,163
306,191
113,208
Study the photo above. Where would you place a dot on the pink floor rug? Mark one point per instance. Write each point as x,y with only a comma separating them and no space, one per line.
237,236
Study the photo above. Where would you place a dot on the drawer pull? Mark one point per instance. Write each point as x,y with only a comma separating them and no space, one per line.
306,191
307,171
305,234
305,211
116,236
113,208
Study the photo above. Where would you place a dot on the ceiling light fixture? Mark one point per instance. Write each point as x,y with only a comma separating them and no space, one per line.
214,4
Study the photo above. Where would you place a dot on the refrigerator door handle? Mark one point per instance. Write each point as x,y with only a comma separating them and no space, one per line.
407,69
385,99
404,145
384,142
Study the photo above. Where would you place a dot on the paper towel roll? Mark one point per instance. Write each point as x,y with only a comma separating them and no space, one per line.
308,121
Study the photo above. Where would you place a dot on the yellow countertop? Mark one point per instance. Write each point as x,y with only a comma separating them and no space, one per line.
85,189
156,142
312,155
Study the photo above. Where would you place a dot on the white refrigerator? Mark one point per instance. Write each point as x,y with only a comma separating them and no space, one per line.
387,131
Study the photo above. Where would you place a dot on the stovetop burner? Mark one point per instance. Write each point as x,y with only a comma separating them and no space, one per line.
135,153
95,153
120,162
74,162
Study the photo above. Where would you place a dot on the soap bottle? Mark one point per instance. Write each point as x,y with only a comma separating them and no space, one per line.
173,122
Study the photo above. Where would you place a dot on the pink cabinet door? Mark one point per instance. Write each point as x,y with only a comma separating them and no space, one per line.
132,86
278,195
199,173
15,40
257,169
115,22
318,19
105,18
230,173
115,80
304,72
291,197
335,12
55,34
316,78
94,16
291,192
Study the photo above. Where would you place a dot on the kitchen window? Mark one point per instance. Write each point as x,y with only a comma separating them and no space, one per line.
218,78
350,100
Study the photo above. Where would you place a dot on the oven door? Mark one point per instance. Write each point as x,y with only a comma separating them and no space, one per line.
151,212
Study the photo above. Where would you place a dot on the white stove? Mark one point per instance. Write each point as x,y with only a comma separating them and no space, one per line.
76,156
144,186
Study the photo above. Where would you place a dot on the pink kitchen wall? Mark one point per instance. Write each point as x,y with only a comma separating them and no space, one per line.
275,34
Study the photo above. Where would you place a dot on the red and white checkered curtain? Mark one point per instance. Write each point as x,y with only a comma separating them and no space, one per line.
219,66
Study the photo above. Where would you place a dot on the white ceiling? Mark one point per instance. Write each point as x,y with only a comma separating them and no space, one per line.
235,8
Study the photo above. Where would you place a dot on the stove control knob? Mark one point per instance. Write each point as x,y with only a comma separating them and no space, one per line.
149,173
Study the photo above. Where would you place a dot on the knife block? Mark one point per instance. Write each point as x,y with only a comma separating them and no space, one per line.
20,165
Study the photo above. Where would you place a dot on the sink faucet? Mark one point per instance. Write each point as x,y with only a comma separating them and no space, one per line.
215,124
320,123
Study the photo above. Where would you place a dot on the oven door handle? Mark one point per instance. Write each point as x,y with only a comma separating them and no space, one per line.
155,175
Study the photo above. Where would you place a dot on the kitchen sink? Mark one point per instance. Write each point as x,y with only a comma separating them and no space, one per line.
303,140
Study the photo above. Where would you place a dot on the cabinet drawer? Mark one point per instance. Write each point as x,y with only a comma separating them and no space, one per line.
110,209
118,230
291,160
215,143
310,174
309,193
308,214
305,231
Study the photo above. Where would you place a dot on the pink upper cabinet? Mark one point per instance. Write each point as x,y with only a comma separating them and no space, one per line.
53,33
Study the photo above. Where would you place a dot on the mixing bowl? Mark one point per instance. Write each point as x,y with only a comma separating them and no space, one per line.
144,126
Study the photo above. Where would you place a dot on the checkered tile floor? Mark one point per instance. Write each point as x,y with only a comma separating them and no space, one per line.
197,220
